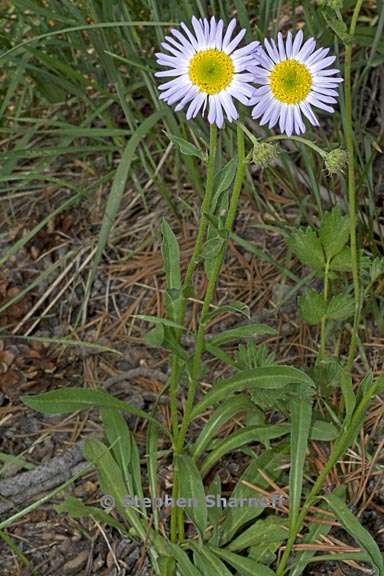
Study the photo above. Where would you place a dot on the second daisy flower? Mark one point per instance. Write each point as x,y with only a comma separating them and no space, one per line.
293,78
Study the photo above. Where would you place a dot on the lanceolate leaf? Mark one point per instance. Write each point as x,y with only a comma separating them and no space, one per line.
270,463
241,438
207,562
226,411
245,331
244,566
186,567
119,437
301,416
356,530
72,399
262,533
192,488
171,256
267,377
77,509
315,532
111,480
187,147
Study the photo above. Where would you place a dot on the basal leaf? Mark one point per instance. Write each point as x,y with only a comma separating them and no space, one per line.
192,488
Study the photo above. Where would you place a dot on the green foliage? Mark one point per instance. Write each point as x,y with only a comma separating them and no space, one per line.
340,307
356,530
306,245
301,418
192,489
312,306
334,233
91,59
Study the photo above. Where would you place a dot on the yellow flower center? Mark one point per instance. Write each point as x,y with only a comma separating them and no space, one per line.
211,70
290,81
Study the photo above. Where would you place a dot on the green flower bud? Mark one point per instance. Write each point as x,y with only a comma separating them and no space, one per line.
333,4
264,154
335,161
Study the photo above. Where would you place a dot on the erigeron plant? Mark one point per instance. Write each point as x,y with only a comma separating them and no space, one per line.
210,74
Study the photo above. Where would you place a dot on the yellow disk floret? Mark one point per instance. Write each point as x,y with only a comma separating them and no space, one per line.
290,81
211,70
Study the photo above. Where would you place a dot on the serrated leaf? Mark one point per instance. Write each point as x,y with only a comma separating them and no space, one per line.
267,377
312,306
334,232
306,245
342,262
340,307
356,530
187,147
192,488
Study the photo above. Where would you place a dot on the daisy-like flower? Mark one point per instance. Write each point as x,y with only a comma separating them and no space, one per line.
293,78
207,69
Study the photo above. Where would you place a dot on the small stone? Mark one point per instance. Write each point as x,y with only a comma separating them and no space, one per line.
73,566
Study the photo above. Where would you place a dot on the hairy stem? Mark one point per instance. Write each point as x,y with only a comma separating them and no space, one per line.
323,320
175,362
348,133
216,267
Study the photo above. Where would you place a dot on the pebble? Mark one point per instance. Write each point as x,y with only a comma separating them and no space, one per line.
73,566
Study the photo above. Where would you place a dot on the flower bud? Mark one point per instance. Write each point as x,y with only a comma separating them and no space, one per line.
335,161
264,154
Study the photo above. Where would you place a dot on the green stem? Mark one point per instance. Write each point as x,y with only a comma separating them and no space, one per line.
217,263
299,139
175,363
348,133
175,367
323,320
